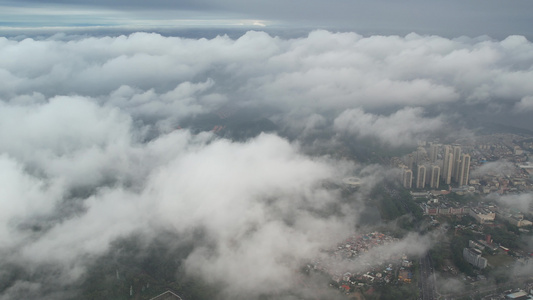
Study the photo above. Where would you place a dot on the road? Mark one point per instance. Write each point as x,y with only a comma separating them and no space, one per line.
517,282
427,279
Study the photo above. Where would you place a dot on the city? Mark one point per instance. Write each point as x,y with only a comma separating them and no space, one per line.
481,201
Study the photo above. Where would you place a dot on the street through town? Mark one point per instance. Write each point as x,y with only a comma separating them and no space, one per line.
427,279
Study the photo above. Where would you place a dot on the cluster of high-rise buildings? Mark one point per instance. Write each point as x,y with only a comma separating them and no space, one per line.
428,166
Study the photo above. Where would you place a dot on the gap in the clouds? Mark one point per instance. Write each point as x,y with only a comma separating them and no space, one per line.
233,122
75,33
293,32
148,266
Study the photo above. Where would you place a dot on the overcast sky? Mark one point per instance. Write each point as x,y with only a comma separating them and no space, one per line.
495,18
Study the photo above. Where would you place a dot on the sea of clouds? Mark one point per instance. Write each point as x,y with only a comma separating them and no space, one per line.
92,149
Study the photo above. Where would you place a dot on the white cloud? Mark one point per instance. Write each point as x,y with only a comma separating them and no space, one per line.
525,105
23,197
256,201
521,202
323,70
90,123
496,168
403,127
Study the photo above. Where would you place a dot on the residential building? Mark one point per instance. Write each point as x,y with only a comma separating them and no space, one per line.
433,151
435,175
407,178
447,166
457,162
421,177
473,256
464,170
482,215
168,295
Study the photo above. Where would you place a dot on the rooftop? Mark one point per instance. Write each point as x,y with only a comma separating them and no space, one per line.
168,295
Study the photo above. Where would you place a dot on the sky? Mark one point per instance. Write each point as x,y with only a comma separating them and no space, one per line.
473,18
100,135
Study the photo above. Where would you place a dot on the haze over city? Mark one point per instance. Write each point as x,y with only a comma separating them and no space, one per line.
280,150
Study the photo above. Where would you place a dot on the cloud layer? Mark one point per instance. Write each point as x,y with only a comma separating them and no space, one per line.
163,80
93,147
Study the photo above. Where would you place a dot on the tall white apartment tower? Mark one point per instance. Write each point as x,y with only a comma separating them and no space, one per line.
433,151
456,163
447,166
421,155
421,177
407,178
464,170
435,175
409,161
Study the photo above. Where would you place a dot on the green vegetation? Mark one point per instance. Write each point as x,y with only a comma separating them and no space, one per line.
463,199
393,202
439,253
145,269
371,150
499,260
505,237
465,220
394,292
457,244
